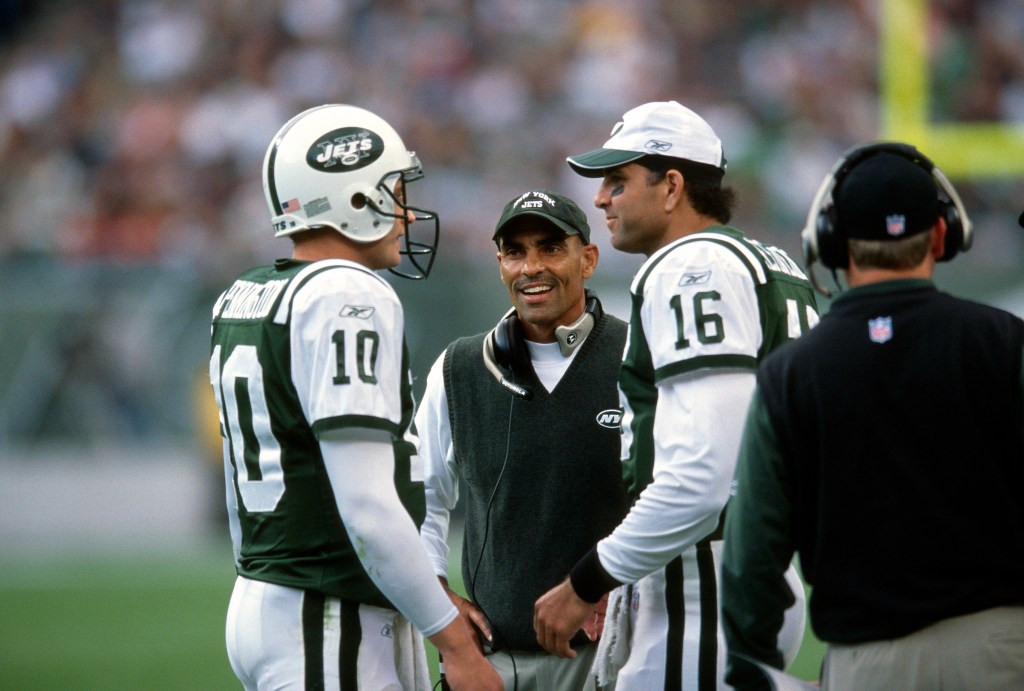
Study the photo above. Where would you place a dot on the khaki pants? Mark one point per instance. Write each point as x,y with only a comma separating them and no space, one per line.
983,650
544,672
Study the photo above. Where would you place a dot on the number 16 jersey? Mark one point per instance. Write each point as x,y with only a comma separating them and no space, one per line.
715,299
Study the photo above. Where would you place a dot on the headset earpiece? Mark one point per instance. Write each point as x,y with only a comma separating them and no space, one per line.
959,230
506,355
822,238
509,347
504,341
503,348
570,336
830,244
954,231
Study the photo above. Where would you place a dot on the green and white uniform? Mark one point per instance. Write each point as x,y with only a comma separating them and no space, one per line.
705,310
311,375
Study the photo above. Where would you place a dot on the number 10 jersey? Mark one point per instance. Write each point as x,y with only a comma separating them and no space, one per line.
300,349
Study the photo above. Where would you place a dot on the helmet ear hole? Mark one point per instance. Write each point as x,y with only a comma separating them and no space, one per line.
358,200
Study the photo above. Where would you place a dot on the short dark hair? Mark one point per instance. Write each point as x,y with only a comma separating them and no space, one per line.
904,253
704,186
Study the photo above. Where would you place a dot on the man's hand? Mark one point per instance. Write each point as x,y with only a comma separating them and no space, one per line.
557,616
470,613
594,624
465,667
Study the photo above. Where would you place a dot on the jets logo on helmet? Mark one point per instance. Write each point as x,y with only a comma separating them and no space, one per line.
339,166
349,148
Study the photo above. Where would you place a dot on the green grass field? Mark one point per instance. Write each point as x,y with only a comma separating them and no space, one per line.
120,622
115,622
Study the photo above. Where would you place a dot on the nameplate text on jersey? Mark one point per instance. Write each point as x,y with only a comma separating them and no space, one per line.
249,300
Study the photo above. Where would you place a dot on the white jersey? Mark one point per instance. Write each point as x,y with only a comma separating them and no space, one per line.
301,351
363,349
310,371
705,310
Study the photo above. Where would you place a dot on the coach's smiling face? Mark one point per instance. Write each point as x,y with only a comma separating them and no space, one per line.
544,270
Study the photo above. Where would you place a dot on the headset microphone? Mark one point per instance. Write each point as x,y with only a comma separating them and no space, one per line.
524,392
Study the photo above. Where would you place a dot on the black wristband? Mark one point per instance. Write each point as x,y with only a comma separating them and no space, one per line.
589,579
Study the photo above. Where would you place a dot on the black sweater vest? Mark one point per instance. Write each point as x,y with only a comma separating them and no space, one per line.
541,479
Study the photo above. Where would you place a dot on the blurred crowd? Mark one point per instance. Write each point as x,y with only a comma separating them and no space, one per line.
132,131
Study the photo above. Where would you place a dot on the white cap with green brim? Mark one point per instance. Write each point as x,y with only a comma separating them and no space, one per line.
660,128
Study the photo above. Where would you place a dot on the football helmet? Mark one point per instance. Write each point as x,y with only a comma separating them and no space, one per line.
338,166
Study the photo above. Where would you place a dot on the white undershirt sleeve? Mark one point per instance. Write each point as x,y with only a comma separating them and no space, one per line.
360,465
440,479
698,425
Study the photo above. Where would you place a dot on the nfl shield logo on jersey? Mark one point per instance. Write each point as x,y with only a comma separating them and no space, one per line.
880,329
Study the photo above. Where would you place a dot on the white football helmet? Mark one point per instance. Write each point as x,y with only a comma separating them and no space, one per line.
337,166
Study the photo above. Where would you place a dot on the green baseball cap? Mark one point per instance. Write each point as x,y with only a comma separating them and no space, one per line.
555,208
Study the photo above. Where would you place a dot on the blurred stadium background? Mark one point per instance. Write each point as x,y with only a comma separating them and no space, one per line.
131,137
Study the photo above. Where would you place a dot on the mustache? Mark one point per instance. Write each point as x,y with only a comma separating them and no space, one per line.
520,285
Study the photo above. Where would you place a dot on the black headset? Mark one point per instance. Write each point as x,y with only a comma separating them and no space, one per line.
822,238
505,353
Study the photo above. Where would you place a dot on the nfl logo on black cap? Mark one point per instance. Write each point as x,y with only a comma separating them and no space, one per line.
895,224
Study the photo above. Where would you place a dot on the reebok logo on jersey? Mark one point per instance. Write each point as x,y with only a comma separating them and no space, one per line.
695,279
356,311
611,418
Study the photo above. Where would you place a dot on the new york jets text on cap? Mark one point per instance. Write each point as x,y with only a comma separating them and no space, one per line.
555,208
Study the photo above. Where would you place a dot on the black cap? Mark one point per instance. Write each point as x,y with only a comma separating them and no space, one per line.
552,207
886,197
